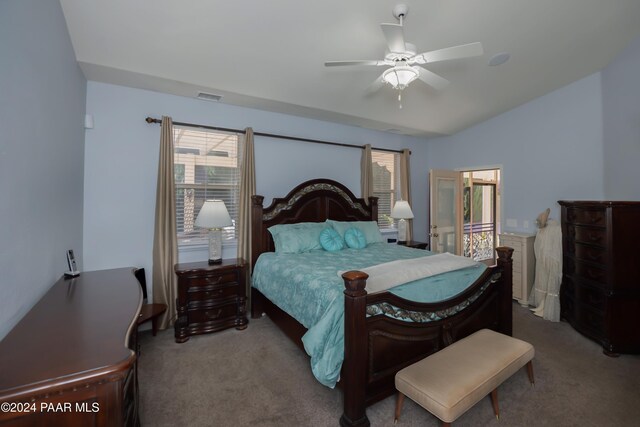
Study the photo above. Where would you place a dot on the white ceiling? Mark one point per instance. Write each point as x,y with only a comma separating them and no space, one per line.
271,54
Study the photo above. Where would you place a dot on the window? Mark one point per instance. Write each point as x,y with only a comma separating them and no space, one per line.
386,175
206,166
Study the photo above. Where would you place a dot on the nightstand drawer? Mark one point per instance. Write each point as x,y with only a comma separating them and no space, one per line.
212,314
212,280
211,292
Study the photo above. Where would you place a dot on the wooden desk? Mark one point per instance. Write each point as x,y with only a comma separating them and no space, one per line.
70,359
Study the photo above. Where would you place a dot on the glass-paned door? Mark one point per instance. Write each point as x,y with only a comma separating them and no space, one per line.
446,211
480,198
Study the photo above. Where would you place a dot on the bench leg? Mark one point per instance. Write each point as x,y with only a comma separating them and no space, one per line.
530,372
494,402
399,403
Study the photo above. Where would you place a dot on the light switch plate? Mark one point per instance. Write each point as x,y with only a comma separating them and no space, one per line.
525,224
512,223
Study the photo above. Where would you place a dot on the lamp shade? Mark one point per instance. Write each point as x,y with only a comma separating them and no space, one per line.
400,76
401,210
213,214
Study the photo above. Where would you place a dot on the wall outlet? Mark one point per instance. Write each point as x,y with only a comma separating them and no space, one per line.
512,223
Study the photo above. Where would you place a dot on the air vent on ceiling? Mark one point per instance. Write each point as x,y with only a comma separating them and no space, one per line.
392,130
209,96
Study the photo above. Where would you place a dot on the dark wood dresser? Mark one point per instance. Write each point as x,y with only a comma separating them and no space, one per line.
600,292
69,361
210,297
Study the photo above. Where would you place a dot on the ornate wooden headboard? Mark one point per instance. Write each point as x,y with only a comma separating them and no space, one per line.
312,201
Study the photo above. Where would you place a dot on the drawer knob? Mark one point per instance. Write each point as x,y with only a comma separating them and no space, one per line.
594,237
213,314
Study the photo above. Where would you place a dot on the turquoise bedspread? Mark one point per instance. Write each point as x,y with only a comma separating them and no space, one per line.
307,287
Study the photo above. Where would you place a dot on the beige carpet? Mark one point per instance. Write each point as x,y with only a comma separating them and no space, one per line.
257,377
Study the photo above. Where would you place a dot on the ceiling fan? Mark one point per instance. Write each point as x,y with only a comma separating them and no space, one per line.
404,61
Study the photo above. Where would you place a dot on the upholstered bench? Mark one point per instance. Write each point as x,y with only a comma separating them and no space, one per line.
451,381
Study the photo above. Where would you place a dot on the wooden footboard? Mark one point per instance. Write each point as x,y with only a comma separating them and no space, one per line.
377,346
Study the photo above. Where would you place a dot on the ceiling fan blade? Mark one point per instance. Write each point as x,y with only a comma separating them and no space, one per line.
342,63
375,86
455,52
432,79
395,37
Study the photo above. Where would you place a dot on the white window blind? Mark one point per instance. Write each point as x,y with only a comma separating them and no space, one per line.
206,166
386,168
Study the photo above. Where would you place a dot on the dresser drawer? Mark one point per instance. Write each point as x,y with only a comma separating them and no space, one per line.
590,319
591,273
592,297
585,271
592,236
212,280
212,314
590,253
594,216
204,294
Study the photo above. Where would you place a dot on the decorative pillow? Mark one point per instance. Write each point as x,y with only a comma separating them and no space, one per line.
354,238
331,240
297,238
369,229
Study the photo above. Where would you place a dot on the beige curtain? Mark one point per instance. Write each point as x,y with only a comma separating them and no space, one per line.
247,189
405,186
366,173
165,245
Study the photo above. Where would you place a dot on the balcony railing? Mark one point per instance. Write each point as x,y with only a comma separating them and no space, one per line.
478,241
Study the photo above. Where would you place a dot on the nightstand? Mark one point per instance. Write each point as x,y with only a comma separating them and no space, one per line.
414,244
210,297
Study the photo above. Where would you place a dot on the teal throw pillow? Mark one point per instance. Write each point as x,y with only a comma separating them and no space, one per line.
331,240
354,238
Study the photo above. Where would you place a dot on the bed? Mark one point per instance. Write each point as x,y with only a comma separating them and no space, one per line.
377,345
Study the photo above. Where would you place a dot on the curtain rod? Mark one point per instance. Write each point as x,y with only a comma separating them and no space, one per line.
273,135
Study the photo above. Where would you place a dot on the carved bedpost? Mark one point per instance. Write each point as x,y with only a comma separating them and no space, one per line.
256,240
354,367
373,204
505,262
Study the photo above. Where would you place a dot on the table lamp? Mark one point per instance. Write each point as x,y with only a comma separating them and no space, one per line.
214,216
402,211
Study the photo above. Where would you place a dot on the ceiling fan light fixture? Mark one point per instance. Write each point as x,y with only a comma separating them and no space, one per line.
400,76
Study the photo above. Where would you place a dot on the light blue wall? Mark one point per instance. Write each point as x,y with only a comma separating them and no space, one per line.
549,149
121,156
42,100
621,109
